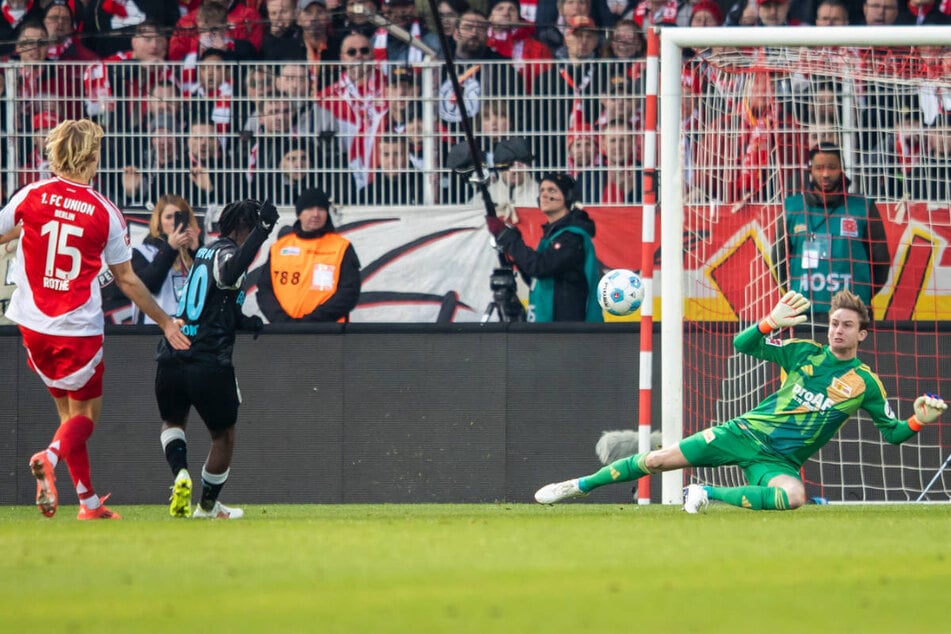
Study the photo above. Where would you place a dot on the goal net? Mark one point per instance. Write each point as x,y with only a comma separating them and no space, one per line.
752,115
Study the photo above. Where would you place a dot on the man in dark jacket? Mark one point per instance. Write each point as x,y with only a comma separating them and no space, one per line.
829,240
564,268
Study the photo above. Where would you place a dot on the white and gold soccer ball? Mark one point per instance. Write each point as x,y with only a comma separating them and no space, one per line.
620,292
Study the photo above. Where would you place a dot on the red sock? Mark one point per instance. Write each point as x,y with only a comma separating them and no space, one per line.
72,436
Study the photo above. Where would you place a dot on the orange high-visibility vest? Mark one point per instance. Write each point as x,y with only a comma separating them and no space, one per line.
304,273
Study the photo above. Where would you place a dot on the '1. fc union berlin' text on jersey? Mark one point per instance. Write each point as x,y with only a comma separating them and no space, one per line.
69,229
818,396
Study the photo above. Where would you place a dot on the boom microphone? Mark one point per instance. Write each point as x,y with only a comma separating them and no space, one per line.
396,31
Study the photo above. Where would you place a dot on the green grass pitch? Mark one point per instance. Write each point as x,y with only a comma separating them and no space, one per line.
480,568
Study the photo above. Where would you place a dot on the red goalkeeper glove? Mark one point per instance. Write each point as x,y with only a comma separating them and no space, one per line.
927,410
787,313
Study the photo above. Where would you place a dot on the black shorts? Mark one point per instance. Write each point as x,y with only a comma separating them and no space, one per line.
213,391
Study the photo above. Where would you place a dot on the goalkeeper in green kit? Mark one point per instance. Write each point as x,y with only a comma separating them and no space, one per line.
824,386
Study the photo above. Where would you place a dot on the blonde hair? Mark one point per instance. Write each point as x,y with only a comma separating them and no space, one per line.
155,224
850,301
73,149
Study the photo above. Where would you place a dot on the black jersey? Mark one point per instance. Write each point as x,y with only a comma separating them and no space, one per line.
211,301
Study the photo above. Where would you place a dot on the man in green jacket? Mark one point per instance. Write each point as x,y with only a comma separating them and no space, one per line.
829,240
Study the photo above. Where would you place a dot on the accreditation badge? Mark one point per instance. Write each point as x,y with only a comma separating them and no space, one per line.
322,278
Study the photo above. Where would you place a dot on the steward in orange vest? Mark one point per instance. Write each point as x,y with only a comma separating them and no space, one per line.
314,271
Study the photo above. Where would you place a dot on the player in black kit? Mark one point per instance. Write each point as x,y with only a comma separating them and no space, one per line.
203,376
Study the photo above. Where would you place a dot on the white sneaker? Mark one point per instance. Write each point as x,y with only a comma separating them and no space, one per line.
695,499
551,493
218,512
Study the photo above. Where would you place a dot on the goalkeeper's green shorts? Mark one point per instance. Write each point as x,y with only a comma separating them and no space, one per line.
728,444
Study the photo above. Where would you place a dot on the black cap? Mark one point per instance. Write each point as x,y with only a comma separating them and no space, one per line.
563,182
312,198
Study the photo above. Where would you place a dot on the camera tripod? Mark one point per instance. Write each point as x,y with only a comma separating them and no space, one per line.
505,300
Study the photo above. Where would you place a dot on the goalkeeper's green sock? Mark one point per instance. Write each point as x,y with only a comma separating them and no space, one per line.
623,470
750,497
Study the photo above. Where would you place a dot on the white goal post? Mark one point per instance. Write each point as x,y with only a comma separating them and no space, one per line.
672,192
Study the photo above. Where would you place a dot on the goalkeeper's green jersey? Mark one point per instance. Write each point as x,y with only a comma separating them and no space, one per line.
817,397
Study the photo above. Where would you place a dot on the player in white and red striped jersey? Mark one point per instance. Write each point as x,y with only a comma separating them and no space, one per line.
68,230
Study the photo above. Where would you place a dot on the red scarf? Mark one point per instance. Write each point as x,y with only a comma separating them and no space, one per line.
8,14
505,42
667,14
360,111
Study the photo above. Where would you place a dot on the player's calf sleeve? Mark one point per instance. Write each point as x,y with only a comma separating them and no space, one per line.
750,497
623,470
211,484
71,438
175,446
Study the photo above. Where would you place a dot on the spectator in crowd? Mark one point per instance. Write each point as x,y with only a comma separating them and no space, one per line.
934,95
258,87
890,170
922,12
832,13
393,182
389,49
165,256
35,165
931,177
18,13
618,181
480,82
108,25
759,154
282,35
294,173
210,168
204,377
41,87
514,39
210,94
650,13
313,273
159,170
60,316
880,12
552,20
402,94
829,240
117,87
61,25
356,17
625,44
317,41
564,268
706,13
620,103
357,102
572,86
449,12
582,147
243,24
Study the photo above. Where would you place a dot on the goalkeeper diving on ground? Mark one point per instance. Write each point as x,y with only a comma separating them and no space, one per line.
823,387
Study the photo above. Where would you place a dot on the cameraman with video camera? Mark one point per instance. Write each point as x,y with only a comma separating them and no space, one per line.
564,269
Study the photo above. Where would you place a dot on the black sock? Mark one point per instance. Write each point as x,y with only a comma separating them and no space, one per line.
211,485
176,454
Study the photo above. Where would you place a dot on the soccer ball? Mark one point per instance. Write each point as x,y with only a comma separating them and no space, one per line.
620,292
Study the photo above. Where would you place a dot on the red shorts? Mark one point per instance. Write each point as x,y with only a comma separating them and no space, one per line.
69,366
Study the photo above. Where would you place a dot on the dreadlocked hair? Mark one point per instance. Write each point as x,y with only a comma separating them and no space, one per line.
238,215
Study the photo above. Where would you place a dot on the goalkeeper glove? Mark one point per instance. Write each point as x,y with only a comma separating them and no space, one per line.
927,410
786,314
